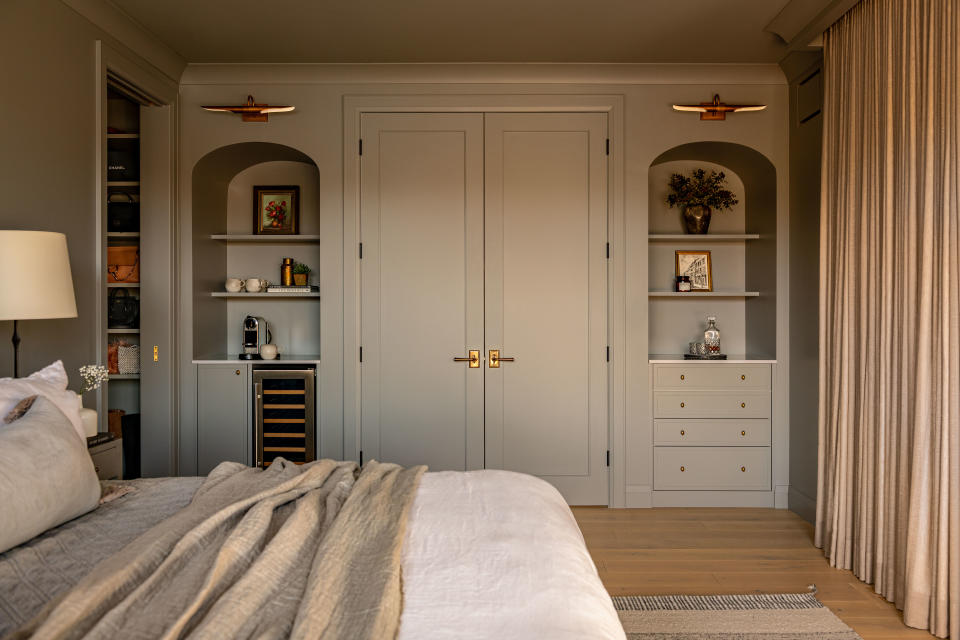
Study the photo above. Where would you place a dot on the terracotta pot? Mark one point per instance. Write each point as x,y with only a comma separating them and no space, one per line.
696,219
300,279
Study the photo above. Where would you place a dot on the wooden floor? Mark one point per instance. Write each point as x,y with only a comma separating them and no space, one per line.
725,551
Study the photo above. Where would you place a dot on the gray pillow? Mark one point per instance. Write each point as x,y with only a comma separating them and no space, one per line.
46,474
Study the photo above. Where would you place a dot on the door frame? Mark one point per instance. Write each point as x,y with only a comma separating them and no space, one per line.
613,105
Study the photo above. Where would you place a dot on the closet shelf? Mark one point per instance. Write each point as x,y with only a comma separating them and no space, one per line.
123,234
124,331
123,183
266,239
710,237
123,136
123,285
703,294
124,376
264,294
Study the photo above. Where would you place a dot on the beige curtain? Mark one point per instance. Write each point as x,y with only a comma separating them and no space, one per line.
889,475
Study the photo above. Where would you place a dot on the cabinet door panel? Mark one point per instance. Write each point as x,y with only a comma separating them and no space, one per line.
711,376
711,404
712,468
223,411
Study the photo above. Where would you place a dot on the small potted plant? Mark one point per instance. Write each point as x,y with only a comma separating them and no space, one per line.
697,196
301,273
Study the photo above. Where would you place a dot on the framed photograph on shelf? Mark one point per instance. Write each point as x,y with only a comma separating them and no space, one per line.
276,210
696,265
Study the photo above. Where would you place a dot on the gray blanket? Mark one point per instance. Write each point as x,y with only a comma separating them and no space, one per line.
311,551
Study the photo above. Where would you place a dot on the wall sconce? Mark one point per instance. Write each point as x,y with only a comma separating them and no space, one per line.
717,110
251,111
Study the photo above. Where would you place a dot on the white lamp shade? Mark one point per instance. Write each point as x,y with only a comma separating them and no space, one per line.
35,278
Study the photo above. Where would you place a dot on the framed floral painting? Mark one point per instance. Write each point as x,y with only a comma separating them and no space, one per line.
276,210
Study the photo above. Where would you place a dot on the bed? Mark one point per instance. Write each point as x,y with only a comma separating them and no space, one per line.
486,554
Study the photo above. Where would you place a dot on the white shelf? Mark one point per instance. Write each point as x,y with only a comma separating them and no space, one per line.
123,234
707,237
124,376
677,358
125,331
123,285
123,183
703,294
233,237
123,136
264,294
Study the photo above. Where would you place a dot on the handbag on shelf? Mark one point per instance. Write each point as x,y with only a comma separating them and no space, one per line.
122,165
123,213
113,364
128,359
123,310
123,263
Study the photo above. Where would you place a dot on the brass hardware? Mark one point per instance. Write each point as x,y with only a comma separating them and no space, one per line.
496,359
682,469
682,432
682,405
251,111
743,469
156,353
681,377
237,372
473,359
743,377
743,433
743,405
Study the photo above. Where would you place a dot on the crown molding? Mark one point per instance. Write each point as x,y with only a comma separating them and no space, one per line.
482,73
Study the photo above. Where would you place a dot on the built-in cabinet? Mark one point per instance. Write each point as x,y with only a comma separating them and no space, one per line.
223,408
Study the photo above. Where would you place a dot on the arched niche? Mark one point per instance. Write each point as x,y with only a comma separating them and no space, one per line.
752,264
215,195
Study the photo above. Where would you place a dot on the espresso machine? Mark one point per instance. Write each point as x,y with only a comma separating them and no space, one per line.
256,333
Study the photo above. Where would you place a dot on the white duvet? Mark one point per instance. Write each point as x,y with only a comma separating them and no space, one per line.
497,554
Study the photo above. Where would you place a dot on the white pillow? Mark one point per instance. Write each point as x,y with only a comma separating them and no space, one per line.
51,383
46,475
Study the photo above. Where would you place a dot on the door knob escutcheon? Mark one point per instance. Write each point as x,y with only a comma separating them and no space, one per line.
496,359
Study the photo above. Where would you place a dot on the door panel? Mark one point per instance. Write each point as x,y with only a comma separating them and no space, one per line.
546,288
223,410
422,289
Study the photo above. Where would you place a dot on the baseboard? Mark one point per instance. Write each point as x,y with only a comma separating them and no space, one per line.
713,499
639,497
803,505
781,495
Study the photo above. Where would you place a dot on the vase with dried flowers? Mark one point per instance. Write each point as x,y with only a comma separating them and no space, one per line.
697,196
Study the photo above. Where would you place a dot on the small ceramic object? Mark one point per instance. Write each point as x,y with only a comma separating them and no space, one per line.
233,285
268,351
255,285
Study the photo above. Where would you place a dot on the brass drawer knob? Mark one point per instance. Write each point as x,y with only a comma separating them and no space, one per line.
682,432
682,405
743,433
743,469
682,377
743,405
682,469
237,372
743,377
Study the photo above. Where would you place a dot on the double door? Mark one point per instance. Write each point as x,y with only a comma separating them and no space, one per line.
484,294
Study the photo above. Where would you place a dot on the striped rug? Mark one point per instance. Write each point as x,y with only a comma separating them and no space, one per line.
784,616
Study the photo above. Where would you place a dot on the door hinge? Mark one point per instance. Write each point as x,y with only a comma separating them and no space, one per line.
608,251
361,251
608,146
608,457
360,147
361,354
361,458
608,353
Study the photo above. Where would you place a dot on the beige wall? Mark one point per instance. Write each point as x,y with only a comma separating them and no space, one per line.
48,167
316,128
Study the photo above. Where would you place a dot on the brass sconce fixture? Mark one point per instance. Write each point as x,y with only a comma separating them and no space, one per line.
251,111
717,110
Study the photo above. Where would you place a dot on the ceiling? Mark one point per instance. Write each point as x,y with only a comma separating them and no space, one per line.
344,31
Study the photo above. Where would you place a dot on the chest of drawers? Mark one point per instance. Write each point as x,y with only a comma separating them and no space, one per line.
711,427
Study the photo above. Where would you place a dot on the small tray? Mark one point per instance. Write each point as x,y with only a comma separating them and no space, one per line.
690,356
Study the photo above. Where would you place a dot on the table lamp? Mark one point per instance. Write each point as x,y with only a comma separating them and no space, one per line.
35,280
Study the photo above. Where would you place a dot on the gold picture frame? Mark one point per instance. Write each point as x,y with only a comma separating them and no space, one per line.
698,266
276,210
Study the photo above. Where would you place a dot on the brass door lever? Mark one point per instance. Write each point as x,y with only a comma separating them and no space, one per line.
496,359
473,359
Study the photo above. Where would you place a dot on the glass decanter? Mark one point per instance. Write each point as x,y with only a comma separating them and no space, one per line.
711,337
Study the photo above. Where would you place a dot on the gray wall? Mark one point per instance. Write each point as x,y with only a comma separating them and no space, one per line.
806,131
48,167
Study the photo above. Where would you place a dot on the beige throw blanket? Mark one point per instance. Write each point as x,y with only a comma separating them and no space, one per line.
308,551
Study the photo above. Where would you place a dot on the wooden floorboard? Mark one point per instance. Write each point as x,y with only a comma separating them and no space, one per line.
724,551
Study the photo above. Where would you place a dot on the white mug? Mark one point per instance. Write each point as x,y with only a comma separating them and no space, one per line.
268,351
233,285
254,285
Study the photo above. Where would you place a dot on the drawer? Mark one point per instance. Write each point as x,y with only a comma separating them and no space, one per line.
712,375
686,433
711,468
108,460
711,404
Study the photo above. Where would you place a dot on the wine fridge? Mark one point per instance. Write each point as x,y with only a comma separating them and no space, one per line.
284,413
